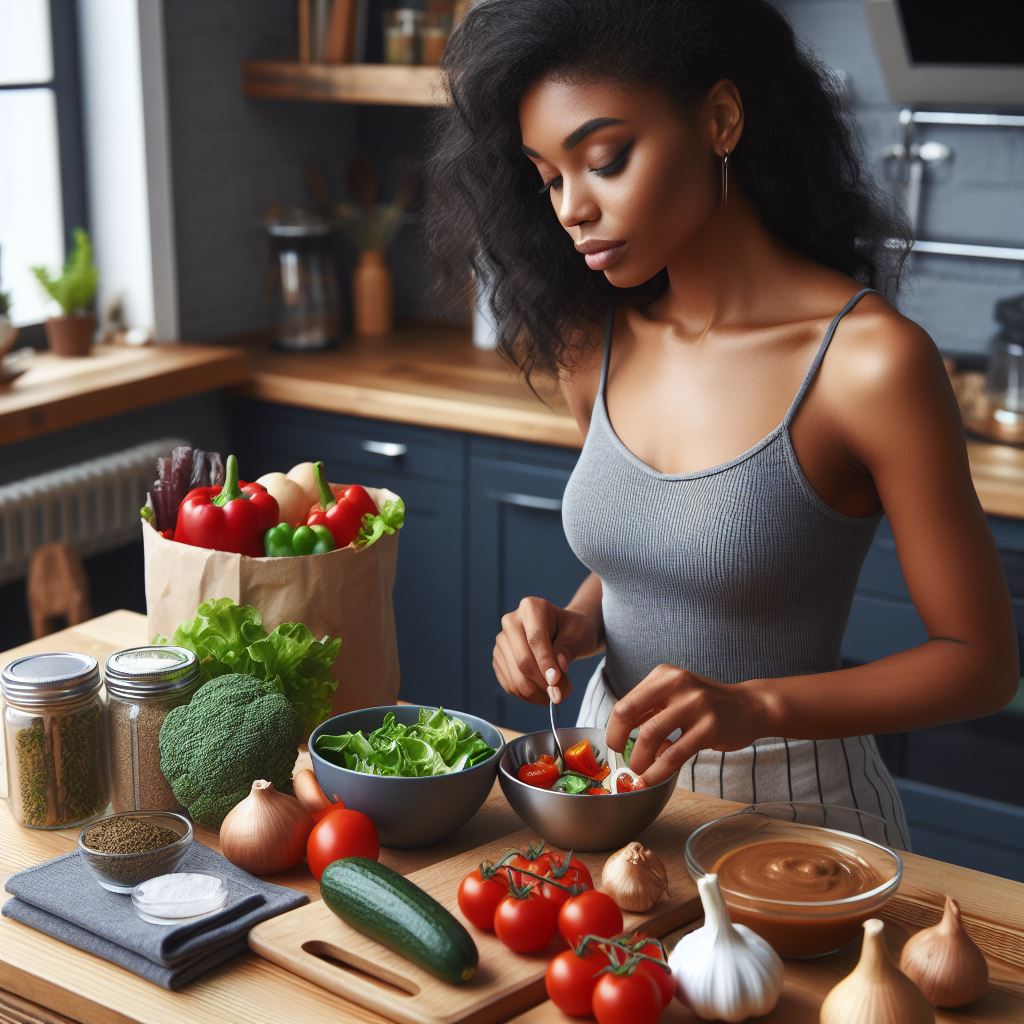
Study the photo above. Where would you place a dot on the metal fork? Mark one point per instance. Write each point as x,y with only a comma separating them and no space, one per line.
554,730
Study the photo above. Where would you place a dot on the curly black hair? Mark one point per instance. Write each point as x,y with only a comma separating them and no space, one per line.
798,162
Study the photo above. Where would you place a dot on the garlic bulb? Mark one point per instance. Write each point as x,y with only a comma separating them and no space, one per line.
635,878
875,991
944,962
725,971
266,832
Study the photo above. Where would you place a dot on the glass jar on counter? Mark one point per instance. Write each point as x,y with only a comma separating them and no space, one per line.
54,741
143,685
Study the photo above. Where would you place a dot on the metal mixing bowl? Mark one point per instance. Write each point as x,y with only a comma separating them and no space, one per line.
577,822
408,812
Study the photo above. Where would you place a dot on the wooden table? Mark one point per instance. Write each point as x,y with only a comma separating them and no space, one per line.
56,393
59,982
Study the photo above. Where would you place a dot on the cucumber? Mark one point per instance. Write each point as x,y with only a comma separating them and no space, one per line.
383,904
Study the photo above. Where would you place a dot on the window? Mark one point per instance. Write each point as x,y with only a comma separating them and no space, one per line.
42,191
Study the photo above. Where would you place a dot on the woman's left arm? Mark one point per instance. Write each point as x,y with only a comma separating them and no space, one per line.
900,421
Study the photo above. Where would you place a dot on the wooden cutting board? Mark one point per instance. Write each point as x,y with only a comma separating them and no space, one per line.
313,943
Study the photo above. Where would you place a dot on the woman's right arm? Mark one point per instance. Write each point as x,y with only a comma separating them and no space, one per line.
539,640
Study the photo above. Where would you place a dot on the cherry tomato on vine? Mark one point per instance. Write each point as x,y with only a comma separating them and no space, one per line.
662,975
626,999
589,913
569,872
479,898
526,924
570,981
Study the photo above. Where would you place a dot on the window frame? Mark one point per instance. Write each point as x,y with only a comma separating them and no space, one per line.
67,92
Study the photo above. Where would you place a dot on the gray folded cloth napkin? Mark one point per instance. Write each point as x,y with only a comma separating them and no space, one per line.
63,899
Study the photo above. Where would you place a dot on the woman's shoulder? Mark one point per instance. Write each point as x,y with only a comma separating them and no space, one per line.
579,377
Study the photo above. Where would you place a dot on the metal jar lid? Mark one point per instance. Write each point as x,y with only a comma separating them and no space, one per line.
150,671
41,679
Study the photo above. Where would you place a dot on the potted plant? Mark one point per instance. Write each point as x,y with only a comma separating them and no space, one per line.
8,332
71,334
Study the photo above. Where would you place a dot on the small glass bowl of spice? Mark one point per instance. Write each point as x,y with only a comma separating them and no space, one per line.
123,850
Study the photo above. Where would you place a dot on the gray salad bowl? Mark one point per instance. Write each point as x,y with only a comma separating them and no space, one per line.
585,823
409,812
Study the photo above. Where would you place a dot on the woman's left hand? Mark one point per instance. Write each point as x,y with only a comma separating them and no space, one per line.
711,715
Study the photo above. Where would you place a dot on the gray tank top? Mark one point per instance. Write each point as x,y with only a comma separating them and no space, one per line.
735,572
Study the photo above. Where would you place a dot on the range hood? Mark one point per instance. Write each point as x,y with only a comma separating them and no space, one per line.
951,53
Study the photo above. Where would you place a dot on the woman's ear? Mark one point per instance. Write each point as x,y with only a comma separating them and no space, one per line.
723,108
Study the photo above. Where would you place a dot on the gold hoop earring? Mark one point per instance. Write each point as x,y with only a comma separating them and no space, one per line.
725,177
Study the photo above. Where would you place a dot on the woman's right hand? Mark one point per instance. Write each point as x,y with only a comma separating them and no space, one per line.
536,644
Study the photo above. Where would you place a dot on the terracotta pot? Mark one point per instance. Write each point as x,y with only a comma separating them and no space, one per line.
71,335
371,294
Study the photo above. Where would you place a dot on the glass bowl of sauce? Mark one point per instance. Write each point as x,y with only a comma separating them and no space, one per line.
804,876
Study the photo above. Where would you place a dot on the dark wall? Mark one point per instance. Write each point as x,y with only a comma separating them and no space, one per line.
232,157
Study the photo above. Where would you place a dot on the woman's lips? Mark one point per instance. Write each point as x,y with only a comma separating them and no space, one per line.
604,258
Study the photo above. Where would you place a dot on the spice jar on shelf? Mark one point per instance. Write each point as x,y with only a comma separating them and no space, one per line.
435,29
55,747
143,685
401,35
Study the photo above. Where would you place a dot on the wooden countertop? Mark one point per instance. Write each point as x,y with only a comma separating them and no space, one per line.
77,985
55,393
434,377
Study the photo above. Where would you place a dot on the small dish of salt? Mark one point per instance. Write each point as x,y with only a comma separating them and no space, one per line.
179,898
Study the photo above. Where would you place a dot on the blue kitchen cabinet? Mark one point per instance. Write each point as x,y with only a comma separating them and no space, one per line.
424,467
517,548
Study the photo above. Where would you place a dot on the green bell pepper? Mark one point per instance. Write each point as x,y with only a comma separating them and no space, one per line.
285,540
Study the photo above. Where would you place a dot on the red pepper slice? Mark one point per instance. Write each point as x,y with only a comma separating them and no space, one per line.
230,518
542,773
342,515
597,791
580,758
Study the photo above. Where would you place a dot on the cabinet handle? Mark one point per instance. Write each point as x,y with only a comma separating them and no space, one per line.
389,449
526,501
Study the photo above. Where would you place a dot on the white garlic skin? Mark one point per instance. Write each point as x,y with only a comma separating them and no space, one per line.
725,971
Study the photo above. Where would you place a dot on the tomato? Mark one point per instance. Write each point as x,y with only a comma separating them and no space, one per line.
597,791
542,773
589,913
626,783
570,981
525,924
580,757
626,999
479,898
662,975
342,833
568,871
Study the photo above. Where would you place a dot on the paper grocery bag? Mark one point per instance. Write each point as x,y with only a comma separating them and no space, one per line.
344,593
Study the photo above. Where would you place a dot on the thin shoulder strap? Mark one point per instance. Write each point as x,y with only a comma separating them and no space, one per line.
607,348
821,353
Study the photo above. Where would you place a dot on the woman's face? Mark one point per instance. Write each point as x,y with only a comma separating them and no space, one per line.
623,167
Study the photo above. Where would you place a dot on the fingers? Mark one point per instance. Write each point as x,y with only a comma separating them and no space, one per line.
539,623
675,756
651,737
647,698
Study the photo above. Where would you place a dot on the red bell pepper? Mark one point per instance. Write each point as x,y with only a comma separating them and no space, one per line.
342,515
230,518
580,758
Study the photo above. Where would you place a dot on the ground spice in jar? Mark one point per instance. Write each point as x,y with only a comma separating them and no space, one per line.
124,834
143,685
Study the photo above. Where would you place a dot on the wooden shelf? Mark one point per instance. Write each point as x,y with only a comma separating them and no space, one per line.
377,84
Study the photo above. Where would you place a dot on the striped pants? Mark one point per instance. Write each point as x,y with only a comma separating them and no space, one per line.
848,771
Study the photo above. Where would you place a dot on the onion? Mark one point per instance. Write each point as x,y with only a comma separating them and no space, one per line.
266,832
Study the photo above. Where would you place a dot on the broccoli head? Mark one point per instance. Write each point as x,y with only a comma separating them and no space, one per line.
233,731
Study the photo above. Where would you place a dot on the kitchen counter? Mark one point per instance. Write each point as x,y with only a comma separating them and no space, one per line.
57,393
76,985
434,377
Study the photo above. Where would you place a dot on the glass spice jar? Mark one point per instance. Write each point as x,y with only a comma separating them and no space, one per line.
54,739
143,685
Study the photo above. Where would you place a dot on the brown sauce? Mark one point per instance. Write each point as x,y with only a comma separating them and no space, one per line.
801,872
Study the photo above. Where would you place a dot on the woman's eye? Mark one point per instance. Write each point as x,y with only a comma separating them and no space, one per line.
616,165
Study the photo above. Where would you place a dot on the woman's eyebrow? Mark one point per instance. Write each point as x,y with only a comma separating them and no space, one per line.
578,134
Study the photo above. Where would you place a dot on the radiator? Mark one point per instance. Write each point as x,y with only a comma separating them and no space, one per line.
93,506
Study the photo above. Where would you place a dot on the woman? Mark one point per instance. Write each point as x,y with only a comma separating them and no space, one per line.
703,270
